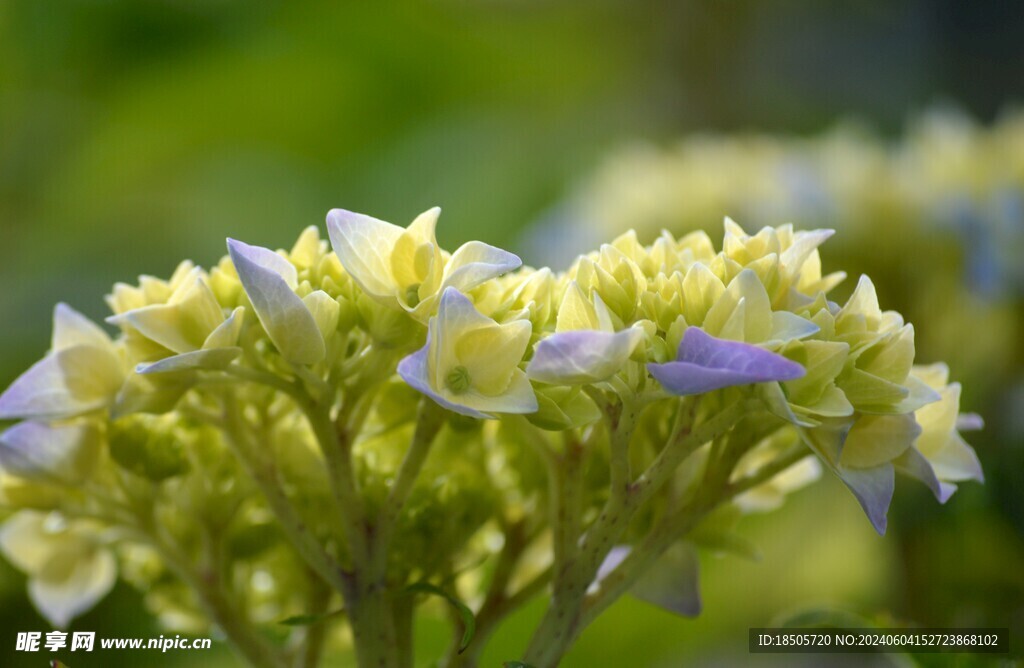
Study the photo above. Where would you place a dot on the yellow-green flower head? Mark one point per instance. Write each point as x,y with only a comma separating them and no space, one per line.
187,331
405,268
526,293
68,569
615,277
82,373
877,377
470,363
743,312
783,259
150,290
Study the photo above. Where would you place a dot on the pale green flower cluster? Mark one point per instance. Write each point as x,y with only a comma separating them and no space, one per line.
359,424
936,217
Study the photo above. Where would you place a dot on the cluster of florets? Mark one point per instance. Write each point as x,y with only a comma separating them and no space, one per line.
934,217
188,423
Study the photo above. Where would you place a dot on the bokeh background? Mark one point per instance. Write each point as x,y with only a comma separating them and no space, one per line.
137,133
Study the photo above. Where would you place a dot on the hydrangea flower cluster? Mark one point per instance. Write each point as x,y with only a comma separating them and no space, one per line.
355,428
936,217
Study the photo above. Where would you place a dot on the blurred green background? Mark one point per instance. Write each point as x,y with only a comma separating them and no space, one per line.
135,134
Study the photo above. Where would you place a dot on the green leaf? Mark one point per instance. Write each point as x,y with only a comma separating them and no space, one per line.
309,620
516,664
468,619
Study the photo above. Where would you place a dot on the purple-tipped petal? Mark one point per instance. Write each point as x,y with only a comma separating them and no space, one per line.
582,356
873,488
36,450
673,583
705,363
912,463
63,384
969,422
267,259
414,370
284,316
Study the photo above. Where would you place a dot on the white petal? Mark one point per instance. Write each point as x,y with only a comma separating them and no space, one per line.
284,316
268,259
61,601
476,262
788,326
364,245
71,328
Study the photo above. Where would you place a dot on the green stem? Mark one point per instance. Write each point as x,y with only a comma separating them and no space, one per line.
684,440
576,562
405,617
264,474
673,528
564,619
372,619
429,421
313,636
492,609
208,587
336,446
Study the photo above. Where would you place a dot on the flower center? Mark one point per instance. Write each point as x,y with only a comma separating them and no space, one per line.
457,380
412,294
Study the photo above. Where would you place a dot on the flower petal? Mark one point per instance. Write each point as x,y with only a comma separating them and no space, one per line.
71,328
65,383
582,356
491,352
364,245
414,370
282,313
876,439
212,359
40,451
325,310
90,579
476,262
788,326
705,363
873,488
673,583
268,259
912,463
226,334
